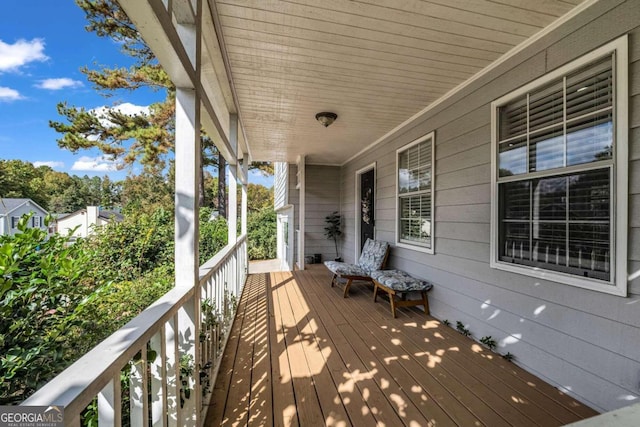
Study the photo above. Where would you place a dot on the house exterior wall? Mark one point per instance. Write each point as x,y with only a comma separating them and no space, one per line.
322,198
585,342
70,222
280,185
5,220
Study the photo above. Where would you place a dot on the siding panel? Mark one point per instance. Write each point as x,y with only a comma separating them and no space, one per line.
322,198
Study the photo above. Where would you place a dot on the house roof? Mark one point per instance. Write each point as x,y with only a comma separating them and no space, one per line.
111,215
8,205
106,215
377,65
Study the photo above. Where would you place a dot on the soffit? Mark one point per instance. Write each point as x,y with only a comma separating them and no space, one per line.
375,63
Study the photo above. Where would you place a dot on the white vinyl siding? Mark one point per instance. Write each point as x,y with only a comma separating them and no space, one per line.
560,155
415,190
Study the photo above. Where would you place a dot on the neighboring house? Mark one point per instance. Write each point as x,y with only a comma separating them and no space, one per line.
83,221
11,210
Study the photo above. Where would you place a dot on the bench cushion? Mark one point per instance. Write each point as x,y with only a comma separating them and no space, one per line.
373,255
345,269
400,281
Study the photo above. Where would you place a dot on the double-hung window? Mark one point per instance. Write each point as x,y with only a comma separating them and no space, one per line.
14,221
415,189
560,174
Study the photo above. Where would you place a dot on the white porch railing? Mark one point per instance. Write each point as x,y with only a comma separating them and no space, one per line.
174,359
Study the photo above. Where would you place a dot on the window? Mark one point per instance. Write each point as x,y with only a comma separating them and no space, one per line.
37,221
415,194
560,174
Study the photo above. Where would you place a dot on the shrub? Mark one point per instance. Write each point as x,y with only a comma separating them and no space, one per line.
261,234
213,235
129,249
42,292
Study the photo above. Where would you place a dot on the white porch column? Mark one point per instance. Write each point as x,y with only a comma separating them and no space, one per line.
187,164
232,181
245,201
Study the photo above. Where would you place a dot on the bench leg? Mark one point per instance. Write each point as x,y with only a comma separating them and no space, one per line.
346,287
425,302
392,299
333,280
375,292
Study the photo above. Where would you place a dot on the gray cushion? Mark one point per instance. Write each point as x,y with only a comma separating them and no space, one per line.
371,259
372,255
345,269
400,281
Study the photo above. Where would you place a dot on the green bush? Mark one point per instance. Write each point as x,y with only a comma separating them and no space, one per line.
127,250
116,303
42,292
213,235
261,234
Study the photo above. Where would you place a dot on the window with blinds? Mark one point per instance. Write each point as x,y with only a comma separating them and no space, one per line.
555,175
415,193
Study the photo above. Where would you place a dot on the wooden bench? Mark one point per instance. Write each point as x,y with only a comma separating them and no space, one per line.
398,282
374,256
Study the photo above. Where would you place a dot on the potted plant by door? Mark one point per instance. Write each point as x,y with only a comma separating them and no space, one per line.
332,230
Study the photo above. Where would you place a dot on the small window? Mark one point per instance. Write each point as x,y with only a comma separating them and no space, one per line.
415,189
560,154
37,221
14,221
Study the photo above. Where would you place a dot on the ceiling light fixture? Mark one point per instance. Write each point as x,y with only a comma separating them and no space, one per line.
326,118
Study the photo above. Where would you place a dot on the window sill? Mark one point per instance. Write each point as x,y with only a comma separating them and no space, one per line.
415,247
618,289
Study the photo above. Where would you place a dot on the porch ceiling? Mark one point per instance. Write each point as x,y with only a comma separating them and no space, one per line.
375,63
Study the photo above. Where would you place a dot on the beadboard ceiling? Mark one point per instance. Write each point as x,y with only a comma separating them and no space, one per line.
375,63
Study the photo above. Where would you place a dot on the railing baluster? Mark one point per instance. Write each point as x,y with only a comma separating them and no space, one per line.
109,401
173,380
73,422
158,378
138,392
187,336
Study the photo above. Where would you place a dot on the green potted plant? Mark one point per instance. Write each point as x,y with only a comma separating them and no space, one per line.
332,230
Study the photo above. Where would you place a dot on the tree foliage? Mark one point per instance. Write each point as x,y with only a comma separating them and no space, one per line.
261,234
55,191
43,287
143,137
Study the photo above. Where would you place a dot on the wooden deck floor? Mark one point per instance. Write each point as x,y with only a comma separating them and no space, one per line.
301,354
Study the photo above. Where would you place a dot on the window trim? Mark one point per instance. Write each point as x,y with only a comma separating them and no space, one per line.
618,282
417,247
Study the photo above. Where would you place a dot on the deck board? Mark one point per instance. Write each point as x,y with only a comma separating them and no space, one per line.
301,354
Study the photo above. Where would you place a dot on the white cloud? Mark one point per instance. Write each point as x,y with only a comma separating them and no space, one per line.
126,108
13,56
8,94
57,84
94,164
51,163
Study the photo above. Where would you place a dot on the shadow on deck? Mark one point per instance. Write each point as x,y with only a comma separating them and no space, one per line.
301,354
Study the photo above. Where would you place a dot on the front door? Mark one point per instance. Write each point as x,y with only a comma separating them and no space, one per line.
367,206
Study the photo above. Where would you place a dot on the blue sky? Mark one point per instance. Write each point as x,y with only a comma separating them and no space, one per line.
43,45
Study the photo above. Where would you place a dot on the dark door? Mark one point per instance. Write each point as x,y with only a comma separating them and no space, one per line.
367,206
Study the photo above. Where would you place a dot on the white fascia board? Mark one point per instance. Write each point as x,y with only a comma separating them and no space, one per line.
154,23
